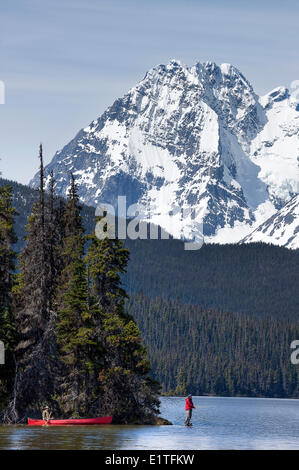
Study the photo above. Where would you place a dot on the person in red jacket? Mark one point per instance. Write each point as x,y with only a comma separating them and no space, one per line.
189,407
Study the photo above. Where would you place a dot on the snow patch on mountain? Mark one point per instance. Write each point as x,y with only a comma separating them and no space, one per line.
280,229
276,148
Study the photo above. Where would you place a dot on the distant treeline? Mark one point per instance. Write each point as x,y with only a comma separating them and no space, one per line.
207,351
255,279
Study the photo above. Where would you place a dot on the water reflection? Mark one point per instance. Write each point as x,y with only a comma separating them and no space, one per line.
218,423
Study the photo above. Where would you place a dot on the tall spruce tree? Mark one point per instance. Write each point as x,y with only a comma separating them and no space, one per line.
36,350
34,271
74,327
8,334
126,390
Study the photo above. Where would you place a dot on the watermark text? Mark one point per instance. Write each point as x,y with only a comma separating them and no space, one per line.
295,354
135,222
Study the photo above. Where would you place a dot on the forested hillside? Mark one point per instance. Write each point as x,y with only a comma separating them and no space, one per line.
207,351
188,304
254,279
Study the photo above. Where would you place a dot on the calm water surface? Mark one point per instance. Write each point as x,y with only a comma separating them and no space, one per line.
218,423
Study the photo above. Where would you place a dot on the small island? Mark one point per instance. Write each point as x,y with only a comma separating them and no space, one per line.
70,344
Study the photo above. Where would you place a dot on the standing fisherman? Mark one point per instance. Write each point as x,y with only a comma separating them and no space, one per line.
188,407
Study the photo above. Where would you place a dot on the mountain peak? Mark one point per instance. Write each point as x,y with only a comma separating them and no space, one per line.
175,63
188,137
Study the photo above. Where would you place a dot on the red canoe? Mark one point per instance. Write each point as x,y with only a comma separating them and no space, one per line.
70,422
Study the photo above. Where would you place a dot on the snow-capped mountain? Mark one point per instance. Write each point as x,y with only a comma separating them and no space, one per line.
280,229
196,139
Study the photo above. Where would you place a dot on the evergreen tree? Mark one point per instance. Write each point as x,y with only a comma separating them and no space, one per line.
34,279
8,333
127,391
36,349
75,328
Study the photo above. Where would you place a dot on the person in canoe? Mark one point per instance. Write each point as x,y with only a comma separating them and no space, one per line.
46,414
189,407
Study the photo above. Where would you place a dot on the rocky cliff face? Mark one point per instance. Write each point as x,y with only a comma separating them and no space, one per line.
197,140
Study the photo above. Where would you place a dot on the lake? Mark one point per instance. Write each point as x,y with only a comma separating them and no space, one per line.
218,423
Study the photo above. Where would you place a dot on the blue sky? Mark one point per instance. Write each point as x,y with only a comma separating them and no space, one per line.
64,61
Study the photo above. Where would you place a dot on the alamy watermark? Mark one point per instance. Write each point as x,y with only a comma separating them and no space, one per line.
2,92
135,222
295,354
2,353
